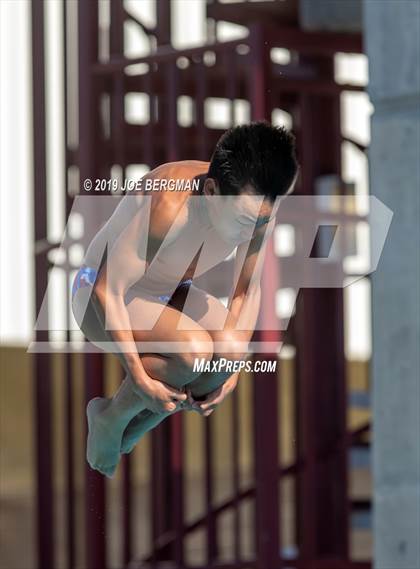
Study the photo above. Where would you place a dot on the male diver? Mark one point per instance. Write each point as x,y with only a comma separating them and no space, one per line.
135,290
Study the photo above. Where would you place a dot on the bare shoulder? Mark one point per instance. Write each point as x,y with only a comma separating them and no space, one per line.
167,207
180,169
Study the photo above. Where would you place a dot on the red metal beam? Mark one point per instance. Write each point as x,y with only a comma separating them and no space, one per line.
175,477
42,368
285,12
89,129
314,43
69,363
291,470
267,519
127,493
162,500
118,90
210,517
323,509
163,22
310,43
231,93
162,54
201,90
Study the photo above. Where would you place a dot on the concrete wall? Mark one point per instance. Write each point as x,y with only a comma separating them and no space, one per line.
331,15
392,35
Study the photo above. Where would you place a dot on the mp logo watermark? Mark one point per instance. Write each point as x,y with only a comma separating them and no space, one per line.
309,241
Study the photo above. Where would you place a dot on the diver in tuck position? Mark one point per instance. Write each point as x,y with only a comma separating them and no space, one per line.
135,287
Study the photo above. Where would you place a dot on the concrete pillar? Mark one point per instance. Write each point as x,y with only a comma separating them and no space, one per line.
392,38
331,15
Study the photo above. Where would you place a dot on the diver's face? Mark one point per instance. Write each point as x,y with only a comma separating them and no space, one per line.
236,217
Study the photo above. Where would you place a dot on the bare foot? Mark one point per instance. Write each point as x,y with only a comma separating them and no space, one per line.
103,443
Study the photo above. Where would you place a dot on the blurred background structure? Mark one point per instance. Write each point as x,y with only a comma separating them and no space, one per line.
110,89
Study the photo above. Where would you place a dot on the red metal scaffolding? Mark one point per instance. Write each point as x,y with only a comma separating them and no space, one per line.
242,69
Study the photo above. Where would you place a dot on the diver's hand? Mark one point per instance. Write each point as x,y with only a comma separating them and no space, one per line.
159,397
215,398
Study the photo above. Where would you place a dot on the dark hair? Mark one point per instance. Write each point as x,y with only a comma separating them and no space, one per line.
257,153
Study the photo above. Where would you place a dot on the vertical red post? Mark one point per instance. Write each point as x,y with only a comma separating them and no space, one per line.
118,140
161,491
229,61
69,398
236,475
150,128
212,544
322,483
175,478
199,100
88,164
42,364
163,22
127,510
167,474
173,141
267,523
116,49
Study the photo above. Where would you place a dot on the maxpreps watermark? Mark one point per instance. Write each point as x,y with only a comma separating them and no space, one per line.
143,184
221,365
